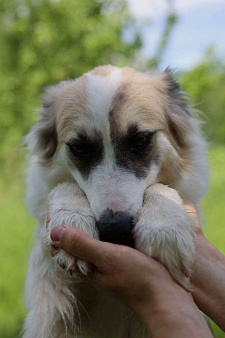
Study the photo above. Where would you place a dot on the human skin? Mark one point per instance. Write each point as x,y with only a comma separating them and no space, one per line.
208,277
166,309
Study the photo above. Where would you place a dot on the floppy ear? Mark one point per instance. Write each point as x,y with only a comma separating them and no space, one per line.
178,111
42,140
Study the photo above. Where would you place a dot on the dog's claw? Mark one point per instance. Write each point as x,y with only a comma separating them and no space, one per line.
72,266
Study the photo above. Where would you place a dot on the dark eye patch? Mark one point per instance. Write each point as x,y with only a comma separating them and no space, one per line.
135,150
85,152
140,141
79,149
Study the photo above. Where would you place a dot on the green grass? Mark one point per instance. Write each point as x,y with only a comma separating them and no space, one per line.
16,231
213,207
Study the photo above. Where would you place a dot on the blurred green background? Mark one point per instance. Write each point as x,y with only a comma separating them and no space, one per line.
44,42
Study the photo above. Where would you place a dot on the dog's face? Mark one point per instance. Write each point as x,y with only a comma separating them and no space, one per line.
117,131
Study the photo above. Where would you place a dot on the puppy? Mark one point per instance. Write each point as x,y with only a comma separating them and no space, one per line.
113,153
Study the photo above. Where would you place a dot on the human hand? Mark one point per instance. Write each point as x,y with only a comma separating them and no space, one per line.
208,277
193,213
145,284
115,265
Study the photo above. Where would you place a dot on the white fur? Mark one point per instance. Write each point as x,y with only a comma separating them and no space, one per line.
166,232
111,187
63,305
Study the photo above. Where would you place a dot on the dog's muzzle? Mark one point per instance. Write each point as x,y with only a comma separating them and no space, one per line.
116,227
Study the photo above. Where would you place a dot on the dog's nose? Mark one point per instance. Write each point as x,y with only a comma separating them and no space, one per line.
116,227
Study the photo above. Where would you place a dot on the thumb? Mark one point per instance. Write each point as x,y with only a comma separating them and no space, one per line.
78,244
193,213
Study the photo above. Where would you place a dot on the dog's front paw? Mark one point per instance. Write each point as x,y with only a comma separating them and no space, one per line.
165,231
70,263
68,205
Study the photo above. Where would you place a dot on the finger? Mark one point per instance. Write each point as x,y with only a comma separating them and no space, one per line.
192,211
82,246
190,208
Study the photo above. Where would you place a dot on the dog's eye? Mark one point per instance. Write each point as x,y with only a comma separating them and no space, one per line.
140,141
78,149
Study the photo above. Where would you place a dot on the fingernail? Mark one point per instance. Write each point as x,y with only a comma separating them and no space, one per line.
57,232
187,202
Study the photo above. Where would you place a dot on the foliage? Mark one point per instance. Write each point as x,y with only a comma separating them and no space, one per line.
206,86
171,21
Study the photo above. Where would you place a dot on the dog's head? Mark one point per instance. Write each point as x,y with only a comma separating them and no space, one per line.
118,131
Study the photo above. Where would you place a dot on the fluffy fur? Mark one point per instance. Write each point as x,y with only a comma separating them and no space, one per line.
119,140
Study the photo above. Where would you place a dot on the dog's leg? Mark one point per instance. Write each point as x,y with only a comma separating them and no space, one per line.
50,299
165,231
50,290
69,205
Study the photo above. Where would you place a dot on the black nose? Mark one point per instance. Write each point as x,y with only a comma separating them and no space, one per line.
116,227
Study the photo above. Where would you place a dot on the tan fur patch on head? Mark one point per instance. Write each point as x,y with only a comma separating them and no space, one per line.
173,168
73,113
139,100
103,70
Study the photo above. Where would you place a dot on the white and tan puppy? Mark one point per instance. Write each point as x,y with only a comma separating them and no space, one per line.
113,153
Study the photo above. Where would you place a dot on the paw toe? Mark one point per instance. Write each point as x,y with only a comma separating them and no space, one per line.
83,266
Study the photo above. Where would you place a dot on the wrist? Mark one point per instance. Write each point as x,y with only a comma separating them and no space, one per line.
177,317
185,321
162,304
168,310
205,257
208,283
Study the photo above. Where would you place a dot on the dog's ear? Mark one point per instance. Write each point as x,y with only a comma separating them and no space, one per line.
42,140
178,110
